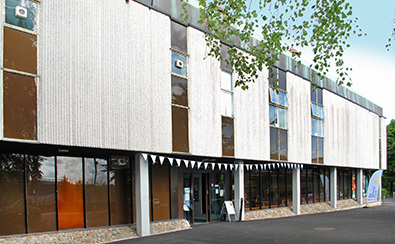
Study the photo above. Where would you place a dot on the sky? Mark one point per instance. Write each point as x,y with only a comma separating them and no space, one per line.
373,74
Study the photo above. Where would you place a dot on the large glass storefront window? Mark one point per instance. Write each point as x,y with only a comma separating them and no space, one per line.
120,197
314,185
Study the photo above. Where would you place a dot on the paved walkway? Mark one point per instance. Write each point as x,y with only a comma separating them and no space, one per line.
364,225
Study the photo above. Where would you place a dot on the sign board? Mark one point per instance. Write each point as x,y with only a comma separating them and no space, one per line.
374,186
228,210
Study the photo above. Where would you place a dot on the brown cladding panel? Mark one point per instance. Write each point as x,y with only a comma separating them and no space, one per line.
160,192
20,106
180,129
20,51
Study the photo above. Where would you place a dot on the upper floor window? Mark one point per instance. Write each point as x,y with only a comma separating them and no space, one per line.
317,122
227,112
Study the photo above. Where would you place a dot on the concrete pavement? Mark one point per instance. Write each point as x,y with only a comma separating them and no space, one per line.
365,225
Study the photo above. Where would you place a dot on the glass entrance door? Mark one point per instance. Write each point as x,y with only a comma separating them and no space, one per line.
217,190
200,197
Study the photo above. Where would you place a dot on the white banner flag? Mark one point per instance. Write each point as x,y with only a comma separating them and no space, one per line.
192,164
231,167
178,162
198,165
374,186
212,166
226,167
219,166
186,163
161,158
171,161
205,165
144,156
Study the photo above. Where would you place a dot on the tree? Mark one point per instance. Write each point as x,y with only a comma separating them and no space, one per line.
323,25
389,174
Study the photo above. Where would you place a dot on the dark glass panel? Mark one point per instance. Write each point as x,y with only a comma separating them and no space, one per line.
176,58
20,51
283,145
160,192
310,186
289,187
322,185
303,186
327,185
274,189
282,188
274,143
96,192
282,77
314,149
313,94
178,37
217,194
41,204
265,190
319,96
228,143
179,90
120,200
316,182
12,206
224,57
340,185
20,107
30,22
180,129
320,150
255,195
70,197
272,76
247,193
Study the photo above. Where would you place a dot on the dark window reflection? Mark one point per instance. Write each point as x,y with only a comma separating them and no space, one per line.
289,187
30,22
265,190
310,186
255,195
320,150
41,204
12,207
282,83
96,192
314,149
283,145
319,96
282,188
179,91
313,94
224,57
303,186
120,179
274,143
70,197
247,192
180,129
274,189
227,137
178,37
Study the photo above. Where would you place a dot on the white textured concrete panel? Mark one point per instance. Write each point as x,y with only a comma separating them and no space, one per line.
351,134
252,133
205,126
299,119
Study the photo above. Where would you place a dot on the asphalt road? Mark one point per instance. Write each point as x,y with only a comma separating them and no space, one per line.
365,225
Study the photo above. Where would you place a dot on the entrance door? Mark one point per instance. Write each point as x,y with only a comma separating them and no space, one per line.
200,196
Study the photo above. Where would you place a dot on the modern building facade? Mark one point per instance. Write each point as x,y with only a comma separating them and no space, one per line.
112,113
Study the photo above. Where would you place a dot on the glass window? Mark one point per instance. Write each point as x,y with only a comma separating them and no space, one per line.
226,103
303,186
265,191
320,150
96,192
283,117
180,129
319,128
314,149
314,109
274,189
274,121
227,137
322,185
314,126
283,99
283,145
320,112
178,37
255,196
274,143
120,200
282,188
20,51
313,94
176,60
247,193
319,96
179,90
160,192
316,182
70,198
282,76
273,96
310,186
272,76
20,106
12,207
217,194
31,7
289,186
41,205
226,80
224,57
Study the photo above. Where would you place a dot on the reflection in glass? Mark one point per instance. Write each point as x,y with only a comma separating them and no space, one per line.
310,186
303,186
226,103
320,112
177,70
316,183
275,195
227,137
289,186
96,192
41,205
217,194
179,90
226,80
178,37
314,109
274,143
283,98
247,193
313,94
327,185
30,22
20,51
120,199
313,126
314,149
12,207
265,190
160,192
273,96
281,188
273,116
322,185
319,128
70,197
283,145
272,76
225,57
319,96
320,150
283,117
282,76
180,129
255,198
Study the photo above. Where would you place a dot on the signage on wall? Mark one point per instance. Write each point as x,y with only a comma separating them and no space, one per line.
228,210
